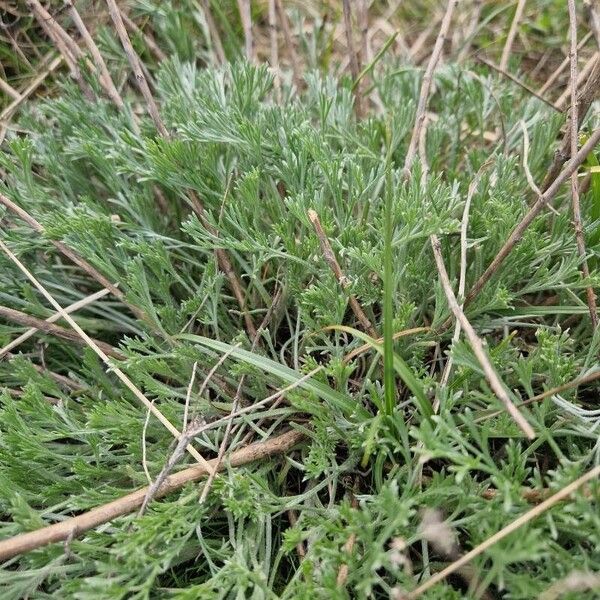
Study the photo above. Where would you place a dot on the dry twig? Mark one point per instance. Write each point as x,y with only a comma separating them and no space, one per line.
55,317
104,78
245,10
60,531
510,38
476,343
514,525
519,230
331,260
99,352
21,318
289,42
574,122
426,87
136,67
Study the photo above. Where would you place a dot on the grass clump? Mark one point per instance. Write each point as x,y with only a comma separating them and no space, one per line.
404,463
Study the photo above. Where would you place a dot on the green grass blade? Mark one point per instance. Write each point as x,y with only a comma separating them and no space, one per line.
398,366
321,390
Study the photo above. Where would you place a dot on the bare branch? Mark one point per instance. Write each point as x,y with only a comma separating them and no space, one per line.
60,531
426,87
136,67
331,260
245,10
510,38
477,344
519,230
55,317
574,122
99,352
105,78
514,525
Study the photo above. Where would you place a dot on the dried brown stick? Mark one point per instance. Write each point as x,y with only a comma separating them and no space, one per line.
574,122
587,94
426,87
213,31
548,393
274,48
26,320
462,280
245,10
517,233
225,265
512,32
514,525
593,9
99,352
72,256
563,65
289,42
127,504
353,56
331,260
104,78
148,39
55,317
59,38
33,85
135,64
9,90
588,68
136,67
477,344
520,83
55,29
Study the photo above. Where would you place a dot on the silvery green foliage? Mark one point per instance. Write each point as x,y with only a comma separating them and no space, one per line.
259,167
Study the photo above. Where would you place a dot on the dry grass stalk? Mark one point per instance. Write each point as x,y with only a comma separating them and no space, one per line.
462,280
563,65
519,230
9,90
584,76
289,42
225,265
477,344
213,30
274,48
75,526
593,9
72,256
426,87
135,64
514,525
574,123
99,352
353,56
26,320
587,94
104,77
245,10
55,317
49,68
65,45
136,67
343,281
517,81
148,39
512,33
